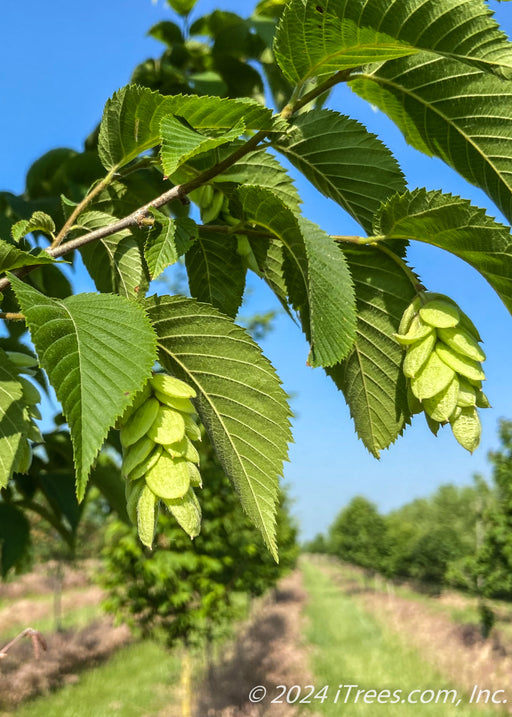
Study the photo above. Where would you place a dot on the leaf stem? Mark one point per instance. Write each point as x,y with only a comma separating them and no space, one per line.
99,187
296,104
10,316
142,163
352,239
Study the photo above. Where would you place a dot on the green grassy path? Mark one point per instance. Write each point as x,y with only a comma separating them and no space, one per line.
138,681
350,647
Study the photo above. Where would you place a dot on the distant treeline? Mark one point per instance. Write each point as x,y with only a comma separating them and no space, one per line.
458,537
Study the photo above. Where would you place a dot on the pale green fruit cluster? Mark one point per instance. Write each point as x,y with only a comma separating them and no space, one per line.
443,365
23,363
159,459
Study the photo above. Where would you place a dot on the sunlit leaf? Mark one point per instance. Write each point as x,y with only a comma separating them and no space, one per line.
97,350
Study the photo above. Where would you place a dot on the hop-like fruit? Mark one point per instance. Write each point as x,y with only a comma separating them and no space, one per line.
159,459
443,366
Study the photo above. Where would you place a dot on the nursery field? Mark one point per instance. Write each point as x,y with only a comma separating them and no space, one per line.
328,641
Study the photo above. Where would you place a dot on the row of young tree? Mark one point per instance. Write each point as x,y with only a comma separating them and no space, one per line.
461,536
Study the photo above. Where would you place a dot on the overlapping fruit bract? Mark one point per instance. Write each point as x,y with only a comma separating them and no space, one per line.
159,458
443,365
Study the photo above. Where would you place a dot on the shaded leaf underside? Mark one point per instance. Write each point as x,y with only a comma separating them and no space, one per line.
317,278
114,262
216,273
13,423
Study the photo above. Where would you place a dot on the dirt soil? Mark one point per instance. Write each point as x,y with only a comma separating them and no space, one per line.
268,652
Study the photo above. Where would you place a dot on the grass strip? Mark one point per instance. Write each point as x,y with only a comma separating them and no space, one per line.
351,648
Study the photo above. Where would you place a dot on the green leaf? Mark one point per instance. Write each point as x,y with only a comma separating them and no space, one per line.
371,377
312,42
167,241
132,117
180,143
233,35
14,537
344,161
269,8
264,170
449,111
273,272
208,83
182,7
13,422
167,32
456,225
38,222
13,258
240,399
318,38
278,85
50,280
41,176
240,78
216,273
331,297
97,350
316,274
114,263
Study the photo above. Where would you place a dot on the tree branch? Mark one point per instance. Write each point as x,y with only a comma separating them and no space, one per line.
180,191
80,208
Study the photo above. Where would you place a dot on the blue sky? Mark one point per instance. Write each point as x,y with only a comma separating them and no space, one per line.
59,63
